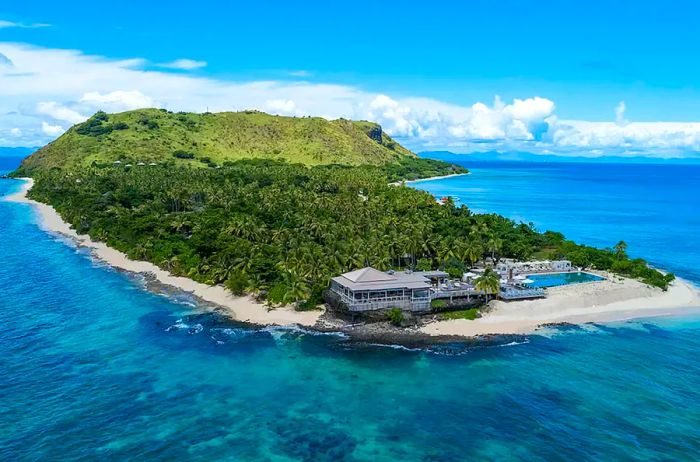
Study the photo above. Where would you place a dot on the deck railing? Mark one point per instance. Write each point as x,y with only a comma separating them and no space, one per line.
514,294
447,293
403,302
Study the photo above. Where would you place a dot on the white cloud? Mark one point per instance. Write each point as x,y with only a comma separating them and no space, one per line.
15,132
9,24
184,64
59,112
620,113
632,135
283,107
54,88
51,130
117,101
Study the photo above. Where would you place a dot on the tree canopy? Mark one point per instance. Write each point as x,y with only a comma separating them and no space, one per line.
283,230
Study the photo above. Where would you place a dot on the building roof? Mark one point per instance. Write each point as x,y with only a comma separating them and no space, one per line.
373,279
433,274
368,274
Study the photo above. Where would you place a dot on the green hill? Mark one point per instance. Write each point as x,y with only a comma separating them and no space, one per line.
157,135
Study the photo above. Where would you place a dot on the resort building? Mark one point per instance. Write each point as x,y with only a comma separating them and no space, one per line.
510,268
369,289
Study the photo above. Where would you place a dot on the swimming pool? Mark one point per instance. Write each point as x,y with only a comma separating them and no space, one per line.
561,279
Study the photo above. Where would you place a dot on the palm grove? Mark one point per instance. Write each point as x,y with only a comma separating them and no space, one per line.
282,230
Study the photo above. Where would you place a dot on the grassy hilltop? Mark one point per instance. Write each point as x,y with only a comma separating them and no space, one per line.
157,135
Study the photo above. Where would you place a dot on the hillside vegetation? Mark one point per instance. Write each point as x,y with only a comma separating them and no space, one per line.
200,140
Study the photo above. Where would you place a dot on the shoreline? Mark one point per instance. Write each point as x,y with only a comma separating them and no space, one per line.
243,309
442,177
431,178
615,299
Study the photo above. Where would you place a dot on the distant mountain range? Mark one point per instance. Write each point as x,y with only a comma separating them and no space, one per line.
494,156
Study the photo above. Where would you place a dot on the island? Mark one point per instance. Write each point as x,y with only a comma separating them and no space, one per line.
284,220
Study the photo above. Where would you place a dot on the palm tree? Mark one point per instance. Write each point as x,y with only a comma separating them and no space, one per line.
473,252
489,283
493,245
621,250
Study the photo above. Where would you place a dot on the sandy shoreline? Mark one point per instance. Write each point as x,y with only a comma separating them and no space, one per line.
420,180
616,299
243,309
432,178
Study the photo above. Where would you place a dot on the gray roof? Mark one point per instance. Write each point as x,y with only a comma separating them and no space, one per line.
372,279
433,274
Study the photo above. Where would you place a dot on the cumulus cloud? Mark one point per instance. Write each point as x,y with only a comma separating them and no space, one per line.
58,111
184,64
51,130
427,119
15,131
117,101
50,89
283,107
632,135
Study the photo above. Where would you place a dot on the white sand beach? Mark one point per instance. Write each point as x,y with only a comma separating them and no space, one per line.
616,299
239,308
432,178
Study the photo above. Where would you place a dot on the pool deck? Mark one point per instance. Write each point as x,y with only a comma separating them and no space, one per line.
568,283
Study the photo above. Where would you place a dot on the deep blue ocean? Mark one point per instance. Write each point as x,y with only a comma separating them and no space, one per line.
654,208
93,367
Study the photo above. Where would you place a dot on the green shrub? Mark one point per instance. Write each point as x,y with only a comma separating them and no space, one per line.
395,316
424,264
207,161
180,154
278,293
469,314
315,299
100,116
94,126
438,304
237,283
148,123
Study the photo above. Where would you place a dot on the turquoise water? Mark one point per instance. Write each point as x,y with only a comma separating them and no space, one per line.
95,368
561,279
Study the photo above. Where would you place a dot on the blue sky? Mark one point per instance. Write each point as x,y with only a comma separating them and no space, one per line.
586,58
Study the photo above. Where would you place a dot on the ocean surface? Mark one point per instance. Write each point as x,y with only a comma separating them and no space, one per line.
93,367
654,208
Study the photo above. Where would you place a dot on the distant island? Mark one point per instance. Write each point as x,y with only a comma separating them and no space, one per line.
257,210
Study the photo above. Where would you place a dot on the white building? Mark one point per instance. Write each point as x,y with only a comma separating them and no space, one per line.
509,268
368,289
